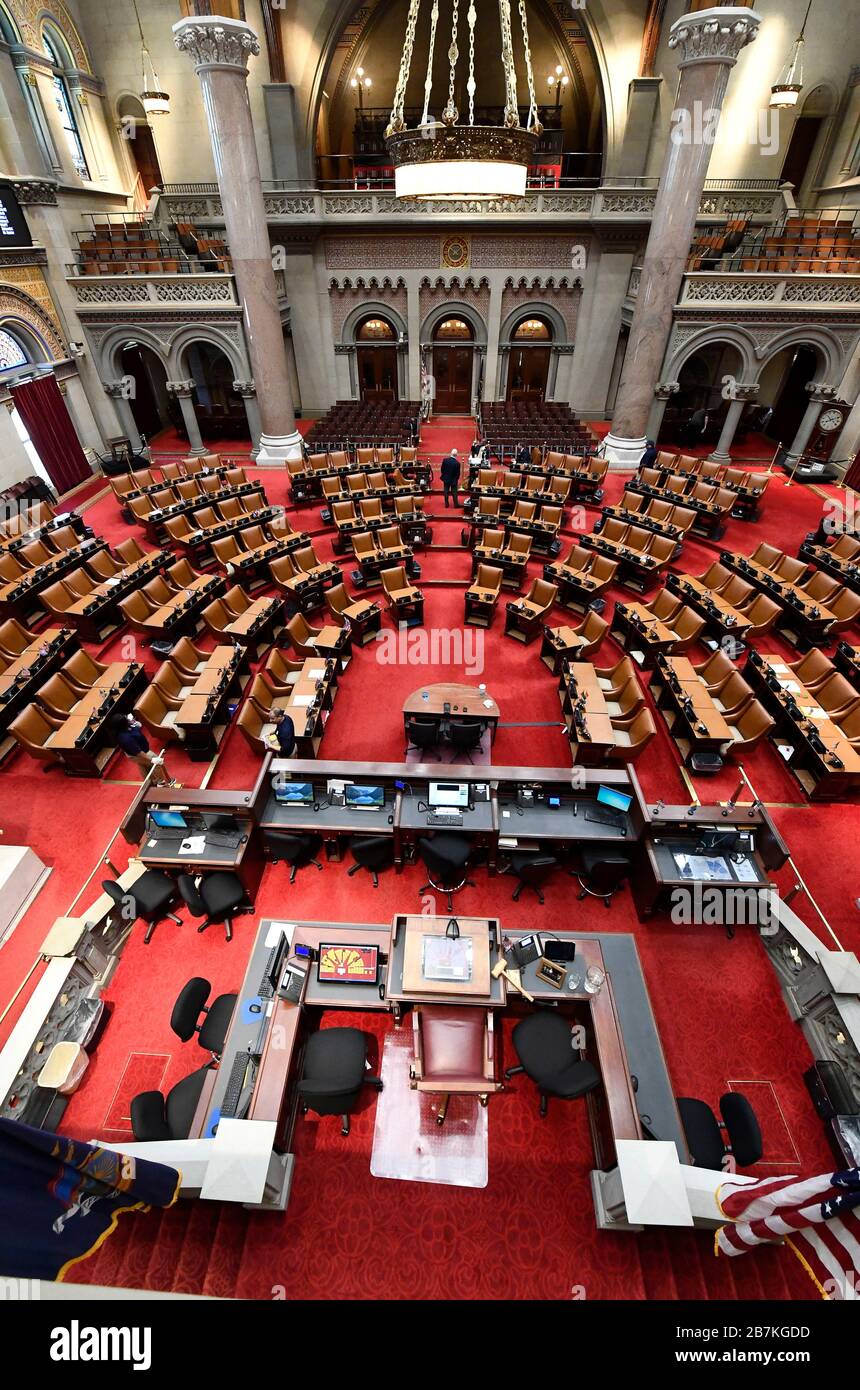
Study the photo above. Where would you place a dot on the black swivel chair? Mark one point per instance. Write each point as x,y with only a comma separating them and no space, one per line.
532,870
155,1116
542,1043
422,734
147,898
191,1003
333,1073
465,736
371,852
298,851
704,1134
599,874
217,898
446,857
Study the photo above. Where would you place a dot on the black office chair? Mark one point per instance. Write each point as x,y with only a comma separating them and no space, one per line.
189,1005
599,874
298,851
704,1134
217,898
422,734
333,1073
446,857
147,899
532,870
543,1044
465,736
371,852
155,1116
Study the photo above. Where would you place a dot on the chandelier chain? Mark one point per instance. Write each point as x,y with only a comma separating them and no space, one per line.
428,81
533,122
397,119
512,114
450,114
470,86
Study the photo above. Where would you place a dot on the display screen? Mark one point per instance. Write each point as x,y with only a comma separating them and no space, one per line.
13,224
617,800
343,964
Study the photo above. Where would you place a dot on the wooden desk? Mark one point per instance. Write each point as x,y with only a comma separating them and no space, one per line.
560,644
202,716
84,740
676,682
406,983
579,690
25,674
726,621
430,700
828,773
637,630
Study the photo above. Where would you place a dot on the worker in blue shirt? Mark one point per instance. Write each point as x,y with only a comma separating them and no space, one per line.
129,737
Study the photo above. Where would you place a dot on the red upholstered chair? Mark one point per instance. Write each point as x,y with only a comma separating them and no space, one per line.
453,1052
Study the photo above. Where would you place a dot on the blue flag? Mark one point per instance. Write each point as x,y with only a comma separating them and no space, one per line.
60,1199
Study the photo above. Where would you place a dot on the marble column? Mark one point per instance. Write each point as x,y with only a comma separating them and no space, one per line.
184,391
248,391
709,41
219,48
819,395
117,390
742,394
663,392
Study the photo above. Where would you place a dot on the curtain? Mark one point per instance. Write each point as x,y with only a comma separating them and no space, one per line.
852,477
50,427
60,1199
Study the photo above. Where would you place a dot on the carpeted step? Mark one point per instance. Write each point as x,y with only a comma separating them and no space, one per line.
132,1273
226,1253
167,1247
190,1272
103,1266
684,1250
658,1275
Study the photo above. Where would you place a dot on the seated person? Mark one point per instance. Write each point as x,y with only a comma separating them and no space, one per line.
282,739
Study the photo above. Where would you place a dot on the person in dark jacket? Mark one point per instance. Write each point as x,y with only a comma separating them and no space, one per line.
282,739
450,475
649,458
129,737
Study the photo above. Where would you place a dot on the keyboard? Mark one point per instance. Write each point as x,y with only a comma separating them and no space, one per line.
440,818
601,817
235,1081
223,839
265,988
168,832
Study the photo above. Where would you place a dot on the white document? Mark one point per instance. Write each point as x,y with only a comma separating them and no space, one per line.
195,844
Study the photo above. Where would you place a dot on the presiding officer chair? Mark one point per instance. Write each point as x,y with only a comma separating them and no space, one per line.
704,1133
216,898
334,1071
453,1052
147,898
191,1003
155,1116
542,1041
600,873
446,856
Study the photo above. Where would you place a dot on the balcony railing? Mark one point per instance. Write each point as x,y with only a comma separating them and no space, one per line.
212,293
771,291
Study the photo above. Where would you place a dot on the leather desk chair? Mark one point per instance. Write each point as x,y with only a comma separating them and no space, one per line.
704,1134
446,856
217,897
453,1052
188,659
465,736
148,898
333,1073
373,853
749,726
532,870
191,1003
599,873
542,1041
297,850
422,734
155,1116
632,736
34,729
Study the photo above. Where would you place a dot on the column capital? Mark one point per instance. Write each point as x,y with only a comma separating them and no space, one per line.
713,36
245,388
664,389
212,41
743,391
820,392
180,388
117,390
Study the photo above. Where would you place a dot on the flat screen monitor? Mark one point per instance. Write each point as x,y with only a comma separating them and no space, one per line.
364,798
343,963
617,801
168,820
295,793
452,794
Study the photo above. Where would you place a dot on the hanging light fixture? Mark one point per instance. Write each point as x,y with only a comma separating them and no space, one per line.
442,159
785,92
155,102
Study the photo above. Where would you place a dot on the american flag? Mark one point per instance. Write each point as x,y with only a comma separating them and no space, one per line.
818,1218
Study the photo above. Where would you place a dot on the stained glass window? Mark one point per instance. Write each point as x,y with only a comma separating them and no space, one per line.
11,352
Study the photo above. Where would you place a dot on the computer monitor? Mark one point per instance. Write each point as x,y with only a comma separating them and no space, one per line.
364,798
345,963
617,801
225,824
168,820
295,793
454,795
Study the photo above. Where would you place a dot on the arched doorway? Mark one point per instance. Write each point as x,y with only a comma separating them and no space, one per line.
138,140
782,387
701,386
528,362
376,359
150,403
219,409
453,353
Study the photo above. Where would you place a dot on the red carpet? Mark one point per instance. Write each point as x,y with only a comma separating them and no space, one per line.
346,1235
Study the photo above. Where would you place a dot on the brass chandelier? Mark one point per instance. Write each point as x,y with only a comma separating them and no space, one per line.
442,159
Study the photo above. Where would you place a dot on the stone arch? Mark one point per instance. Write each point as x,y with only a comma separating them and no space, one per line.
215,337
119,337
534,308
454,308
18,305
370,308
58,17
832,361
738,337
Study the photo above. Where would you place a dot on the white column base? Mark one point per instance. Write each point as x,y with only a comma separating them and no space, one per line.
277,448
623,454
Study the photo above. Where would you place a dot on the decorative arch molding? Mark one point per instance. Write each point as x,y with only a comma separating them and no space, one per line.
544,282
454,308
35,348
682,347
351,299
454,282
111,343
372,282
371,308
189,334
534,308
28,17
833,359
758,343
15,303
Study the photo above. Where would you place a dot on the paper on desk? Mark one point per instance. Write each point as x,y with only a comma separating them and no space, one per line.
303,700
789,685
195,844
316,674
488,704
273,935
